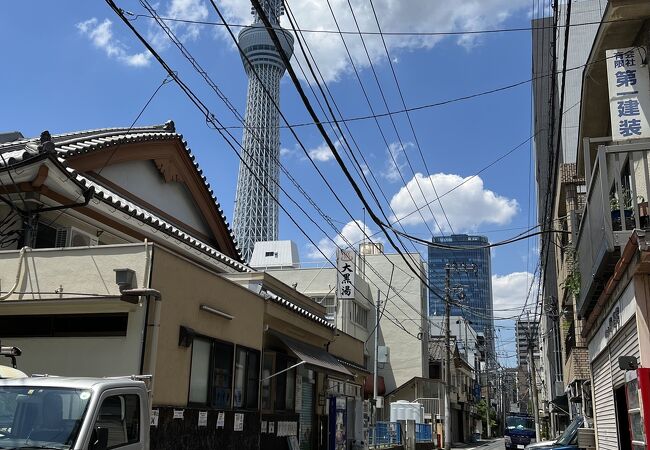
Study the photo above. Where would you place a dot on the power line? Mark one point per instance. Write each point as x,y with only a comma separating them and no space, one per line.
290,15
444,102
408,116
262,15
375,33
211,118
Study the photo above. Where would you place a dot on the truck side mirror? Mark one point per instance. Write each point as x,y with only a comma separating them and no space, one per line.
98,439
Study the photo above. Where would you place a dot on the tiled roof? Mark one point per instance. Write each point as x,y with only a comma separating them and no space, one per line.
81,142
295,308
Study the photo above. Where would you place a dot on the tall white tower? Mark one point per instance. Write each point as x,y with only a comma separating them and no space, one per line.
256,213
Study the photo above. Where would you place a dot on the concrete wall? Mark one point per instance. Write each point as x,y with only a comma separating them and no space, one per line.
87,271
185,286
408,349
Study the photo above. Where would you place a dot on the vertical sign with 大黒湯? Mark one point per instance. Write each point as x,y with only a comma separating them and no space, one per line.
345,268
629,93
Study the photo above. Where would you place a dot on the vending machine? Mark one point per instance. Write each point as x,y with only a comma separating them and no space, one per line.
337,423
637,389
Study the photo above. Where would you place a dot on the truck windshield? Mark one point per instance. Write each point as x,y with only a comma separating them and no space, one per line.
520,423
40,417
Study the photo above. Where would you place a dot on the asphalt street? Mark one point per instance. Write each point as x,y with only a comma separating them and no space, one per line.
493,444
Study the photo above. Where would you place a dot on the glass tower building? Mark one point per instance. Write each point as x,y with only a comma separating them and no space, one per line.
477,287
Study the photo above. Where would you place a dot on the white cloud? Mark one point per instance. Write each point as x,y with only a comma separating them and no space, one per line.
351,235
321,153
468,207
509,293
193,10
395,162
101,35
411,15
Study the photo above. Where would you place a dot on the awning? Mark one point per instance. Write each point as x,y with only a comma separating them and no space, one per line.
314,356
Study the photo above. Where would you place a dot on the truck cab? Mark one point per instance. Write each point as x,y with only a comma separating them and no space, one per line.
61,413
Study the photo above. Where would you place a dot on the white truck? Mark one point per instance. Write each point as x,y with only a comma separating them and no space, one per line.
62,413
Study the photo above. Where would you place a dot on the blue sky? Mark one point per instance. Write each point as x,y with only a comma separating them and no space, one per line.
68,69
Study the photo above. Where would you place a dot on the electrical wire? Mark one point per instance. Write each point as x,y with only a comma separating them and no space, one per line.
375,33
408,117
211,118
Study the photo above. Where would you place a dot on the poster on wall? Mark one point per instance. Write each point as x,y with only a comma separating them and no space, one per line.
221,419
178,414
203,418
155,415
629,93
239,422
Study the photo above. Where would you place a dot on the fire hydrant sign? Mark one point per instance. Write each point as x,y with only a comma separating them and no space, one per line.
629,93
345,274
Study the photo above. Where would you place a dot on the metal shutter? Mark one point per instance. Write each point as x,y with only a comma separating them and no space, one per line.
604,411
608,376
306,414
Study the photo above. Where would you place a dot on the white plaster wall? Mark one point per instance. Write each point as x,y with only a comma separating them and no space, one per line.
627,309
321,282
77,270
143,179
408,354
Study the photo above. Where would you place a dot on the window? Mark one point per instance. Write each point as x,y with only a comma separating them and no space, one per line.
200,371
270,254
45,236
278,392
211,373
120,415
247,368
435,370
64,325
222,375
359,315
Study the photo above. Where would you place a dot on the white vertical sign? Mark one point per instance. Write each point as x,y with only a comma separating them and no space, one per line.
345,268
629,93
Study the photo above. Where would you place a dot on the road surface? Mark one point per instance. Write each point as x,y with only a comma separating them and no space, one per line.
492,444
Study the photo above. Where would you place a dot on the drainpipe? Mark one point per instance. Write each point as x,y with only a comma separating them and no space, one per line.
132,296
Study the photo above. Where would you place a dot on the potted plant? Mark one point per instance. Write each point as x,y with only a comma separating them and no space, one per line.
614,206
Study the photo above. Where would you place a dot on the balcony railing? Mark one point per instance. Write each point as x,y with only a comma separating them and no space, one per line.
431,407
616,204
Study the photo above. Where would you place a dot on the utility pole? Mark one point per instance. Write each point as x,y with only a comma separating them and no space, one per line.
448,268
374,374
448,359
533,385
487,393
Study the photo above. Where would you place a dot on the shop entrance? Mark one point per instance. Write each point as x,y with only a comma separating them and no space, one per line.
622,420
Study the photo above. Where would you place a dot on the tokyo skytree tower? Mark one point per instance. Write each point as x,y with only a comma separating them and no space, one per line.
256,213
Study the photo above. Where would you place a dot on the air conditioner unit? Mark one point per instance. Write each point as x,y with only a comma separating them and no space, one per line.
74,237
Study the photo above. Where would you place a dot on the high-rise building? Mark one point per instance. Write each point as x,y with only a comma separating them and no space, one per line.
526,330
256,211
476,296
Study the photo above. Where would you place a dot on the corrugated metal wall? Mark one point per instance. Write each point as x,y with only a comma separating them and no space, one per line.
608,376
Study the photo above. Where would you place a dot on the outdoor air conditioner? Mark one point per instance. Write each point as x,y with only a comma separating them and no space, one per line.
74,237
